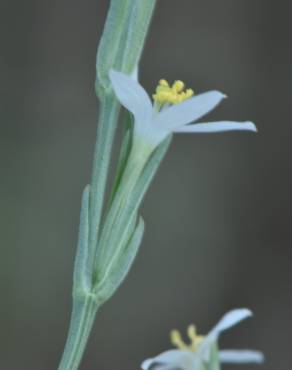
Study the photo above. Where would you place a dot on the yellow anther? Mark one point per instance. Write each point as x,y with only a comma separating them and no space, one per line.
177,340
175,94
189,93
163,83
178,86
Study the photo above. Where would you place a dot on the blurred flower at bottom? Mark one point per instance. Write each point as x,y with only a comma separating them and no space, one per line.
202,352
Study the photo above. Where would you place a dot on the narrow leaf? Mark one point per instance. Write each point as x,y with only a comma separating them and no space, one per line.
82,275
121,264
124,152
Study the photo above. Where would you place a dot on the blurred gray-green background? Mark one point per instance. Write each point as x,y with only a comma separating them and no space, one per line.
218,214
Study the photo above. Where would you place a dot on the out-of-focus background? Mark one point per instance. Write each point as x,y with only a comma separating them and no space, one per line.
218,214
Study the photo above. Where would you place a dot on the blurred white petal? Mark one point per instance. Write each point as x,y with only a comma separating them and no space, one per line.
220,126
146,364
189,110
230,319
241,356
184,360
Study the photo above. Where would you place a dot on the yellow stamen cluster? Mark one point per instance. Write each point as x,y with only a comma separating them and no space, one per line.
171,94
195,340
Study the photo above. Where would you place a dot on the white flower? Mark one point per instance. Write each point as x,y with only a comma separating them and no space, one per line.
154,123
197,355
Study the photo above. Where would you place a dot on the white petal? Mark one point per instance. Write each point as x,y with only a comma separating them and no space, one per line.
241,356
185,360
131,95
189,110
219,126
228,320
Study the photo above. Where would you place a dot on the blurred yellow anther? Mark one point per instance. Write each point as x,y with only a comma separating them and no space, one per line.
177,340
192,333
195,340
175,94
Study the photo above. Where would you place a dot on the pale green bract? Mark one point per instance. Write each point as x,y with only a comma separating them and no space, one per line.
154,126
123,39
207,356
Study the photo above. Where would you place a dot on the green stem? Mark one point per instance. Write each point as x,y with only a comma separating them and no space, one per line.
82,319
84,310
121,46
